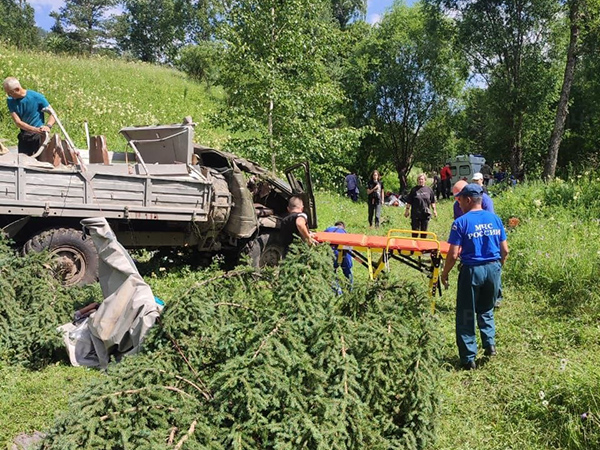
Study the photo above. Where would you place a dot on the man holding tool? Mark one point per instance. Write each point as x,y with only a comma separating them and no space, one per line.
480,239
26,109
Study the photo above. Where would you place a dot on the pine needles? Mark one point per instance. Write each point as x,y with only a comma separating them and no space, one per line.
270,360
32,305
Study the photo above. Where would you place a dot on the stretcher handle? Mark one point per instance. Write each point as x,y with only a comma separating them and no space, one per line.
399,233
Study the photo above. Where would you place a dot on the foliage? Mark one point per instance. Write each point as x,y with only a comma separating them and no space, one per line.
271,360
402,77
17,24
80,26
346,10
580,143
201,61
153,37
550,213
279,92
33,305
513,47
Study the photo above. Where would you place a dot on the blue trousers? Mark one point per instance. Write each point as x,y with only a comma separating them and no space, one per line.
477,292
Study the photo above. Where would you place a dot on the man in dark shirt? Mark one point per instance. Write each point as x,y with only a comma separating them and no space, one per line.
420,203
352,186
295,223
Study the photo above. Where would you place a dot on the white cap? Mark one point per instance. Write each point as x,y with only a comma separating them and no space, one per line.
477,176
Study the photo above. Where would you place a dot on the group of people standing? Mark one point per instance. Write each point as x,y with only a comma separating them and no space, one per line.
477,238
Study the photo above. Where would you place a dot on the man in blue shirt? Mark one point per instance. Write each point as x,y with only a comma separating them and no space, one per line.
480,239
346,263
25,107
352,186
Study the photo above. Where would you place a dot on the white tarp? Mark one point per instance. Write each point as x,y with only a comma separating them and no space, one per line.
128,311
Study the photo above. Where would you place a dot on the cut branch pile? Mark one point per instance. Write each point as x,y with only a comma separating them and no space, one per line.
32,305
270,361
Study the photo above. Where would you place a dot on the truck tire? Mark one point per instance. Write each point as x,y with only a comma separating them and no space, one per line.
75,259
265,250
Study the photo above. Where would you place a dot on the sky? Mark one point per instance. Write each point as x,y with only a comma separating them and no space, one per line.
375,9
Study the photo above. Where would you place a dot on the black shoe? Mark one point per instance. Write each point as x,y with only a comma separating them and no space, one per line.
490,351
469,366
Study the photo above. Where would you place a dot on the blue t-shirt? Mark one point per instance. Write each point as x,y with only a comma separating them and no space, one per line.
351,182
347,258
487,204
479,233
29,108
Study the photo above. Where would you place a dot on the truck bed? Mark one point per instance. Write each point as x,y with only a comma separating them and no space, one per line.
28,187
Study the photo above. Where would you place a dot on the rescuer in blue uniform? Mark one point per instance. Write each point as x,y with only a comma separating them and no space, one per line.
346,263
479,237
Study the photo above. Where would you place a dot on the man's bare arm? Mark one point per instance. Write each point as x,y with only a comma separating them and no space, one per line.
503,252
451,259
303,229
26,127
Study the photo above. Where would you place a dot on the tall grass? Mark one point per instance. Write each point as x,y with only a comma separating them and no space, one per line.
109,94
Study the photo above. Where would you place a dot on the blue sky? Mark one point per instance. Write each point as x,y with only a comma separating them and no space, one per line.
375,9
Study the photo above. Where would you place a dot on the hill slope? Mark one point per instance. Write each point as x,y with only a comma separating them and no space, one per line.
109,94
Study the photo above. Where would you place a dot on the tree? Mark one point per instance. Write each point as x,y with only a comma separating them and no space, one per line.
159,37
281,99
82,22
578,10
345,10
401,78
17,24
510,45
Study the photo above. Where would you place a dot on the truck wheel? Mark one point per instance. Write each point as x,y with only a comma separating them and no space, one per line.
74,258
265,250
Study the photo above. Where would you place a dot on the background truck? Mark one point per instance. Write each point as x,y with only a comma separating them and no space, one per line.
170,193
465,166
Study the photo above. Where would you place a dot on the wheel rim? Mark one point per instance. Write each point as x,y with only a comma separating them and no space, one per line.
271,256
68,264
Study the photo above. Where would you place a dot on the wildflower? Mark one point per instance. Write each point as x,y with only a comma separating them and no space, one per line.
537,202
563,364
585,416
542,395
545,403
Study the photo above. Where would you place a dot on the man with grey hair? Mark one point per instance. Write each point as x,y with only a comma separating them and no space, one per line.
25,107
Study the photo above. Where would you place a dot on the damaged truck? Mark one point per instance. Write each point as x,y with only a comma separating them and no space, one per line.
167,193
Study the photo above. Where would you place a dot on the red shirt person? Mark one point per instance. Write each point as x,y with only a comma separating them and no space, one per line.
446,176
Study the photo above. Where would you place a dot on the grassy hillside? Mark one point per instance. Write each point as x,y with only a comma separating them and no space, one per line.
109,94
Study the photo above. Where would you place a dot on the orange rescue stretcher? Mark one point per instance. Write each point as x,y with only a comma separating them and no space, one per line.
424,254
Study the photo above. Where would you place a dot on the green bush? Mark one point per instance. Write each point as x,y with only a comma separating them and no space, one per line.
554,244
271,360
201,61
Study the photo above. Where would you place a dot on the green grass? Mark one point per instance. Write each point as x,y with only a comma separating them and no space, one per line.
109,94
29,400
541,348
